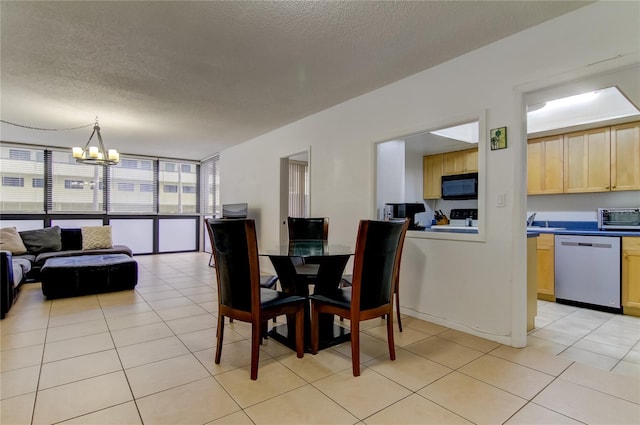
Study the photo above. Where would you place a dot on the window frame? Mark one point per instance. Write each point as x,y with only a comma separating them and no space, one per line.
57,173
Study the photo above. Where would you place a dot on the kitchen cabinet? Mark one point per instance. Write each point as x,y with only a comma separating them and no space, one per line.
532,279
432,174
546,267
460,162
602,159
545,165
625,157
631,275
597,160
445,164
587,163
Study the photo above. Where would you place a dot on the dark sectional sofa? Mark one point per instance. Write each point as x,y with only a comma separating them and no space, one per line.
18,269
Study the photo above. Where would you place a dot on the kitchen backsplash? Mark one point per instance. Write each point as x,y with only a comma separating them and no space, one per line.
543,216
581,203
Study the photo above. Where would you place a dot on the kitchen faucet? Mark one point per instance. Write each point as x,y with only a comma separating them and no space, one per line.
530,220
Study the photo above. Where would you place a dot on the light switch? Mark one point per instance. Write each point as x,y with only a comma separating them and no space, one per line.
500,199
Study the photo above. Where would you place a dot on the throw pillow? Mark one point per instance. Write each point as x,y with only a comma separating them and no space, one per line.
10,240
42,240
96,237
71,239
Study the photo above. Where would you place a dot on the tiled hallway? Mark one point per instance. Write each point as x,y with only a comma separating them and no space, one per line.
146,356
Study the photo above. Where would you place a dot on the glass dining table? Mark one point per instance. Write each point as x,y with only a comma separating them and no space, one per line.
299,264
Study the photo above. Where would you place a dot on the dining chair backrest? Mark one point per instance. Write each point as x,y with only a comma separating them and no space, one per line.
240,297
377,262
308,228
235,250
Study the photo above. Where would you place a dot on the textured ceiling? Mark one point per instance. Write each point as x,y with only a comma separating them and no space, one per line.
188,79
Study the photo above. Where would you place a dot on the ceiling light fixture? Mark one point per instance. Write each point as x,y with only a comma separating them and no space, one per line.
96,155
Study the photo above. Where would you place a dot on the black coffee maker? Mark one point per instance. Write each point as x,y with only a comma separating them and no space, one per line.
404,210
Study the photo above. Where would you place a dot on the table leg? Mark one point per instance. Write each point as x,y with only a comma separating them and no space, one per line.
326,281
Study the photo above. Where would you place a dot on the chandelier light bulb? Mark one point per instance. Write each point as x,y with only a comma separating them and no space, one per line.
96,155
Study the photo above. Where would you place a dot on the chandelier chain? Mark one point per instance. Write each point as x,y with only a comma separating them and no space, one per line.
47,129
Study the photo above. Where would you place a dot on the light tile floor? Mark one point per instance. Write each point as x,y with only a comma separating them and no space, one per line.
146,356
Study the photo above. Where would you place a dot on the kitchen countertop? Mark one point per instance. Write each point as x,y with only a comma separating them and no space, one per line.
596,232
556,228
587,228
473,230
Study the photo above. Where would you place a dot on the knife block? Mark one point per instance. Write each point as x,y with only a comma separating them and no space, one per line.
442,221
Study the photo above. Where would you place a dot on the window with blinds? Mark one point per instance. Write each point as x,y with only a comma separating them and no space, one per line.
75,187
173,178
22,172
210,184
132,186
38,180
298,189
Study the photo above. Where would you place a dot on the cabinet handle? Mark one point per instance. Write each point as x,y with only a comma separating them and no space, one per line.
625,255
613,187
606,186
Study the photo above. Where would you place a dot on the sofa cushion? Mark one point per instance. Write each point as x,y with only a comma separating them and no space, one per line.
42,240
11,241
96,237
20,268
71,239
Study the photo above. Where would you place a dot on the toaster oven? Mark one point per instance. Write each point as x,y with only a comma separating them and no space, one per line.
619,218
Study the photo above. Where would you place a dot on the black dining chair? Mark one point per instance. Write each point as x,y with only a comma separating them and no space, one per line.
346,282
375,271
240,296
308,228
302,228
266,280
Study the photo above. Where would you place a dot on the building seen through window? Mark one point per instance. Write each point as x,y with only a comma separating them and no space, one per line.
135,185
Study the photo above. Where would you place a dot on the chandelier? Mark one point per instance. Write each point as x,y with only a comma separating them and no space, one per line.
96,155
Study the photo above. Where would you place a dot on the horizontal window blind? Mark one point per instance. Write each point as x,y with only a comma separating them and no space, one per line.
22,173
76,187
132,185
210,186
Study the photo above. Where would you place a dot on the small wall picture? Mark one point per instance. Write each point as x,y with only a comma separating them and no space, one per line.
498,138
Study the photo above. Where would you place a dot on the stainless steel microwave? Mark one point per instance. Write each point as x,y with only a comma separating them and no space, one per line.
460,186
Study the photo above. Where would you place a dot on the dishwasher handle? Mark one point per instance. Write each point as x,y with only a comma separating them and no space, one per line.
588,244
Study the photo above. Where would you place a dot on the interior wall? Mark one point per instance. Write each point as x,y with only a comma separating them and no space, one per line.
390,176
487,296
413,179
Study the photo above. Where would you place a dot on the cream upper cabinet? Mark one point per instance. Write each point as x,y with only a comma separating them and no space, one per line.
625,157
545,165
432,175
587,161
460,162
631,275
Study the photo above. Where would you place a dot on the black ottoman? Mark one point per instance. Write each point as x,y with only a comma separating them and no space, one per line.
88,274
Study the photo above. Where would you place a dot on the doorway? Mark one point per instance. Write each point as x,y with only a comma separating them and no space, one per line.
563,122
295,194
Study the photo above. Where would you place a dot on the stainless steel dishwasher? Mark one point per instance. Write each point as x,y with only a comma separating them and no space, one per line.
587,271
